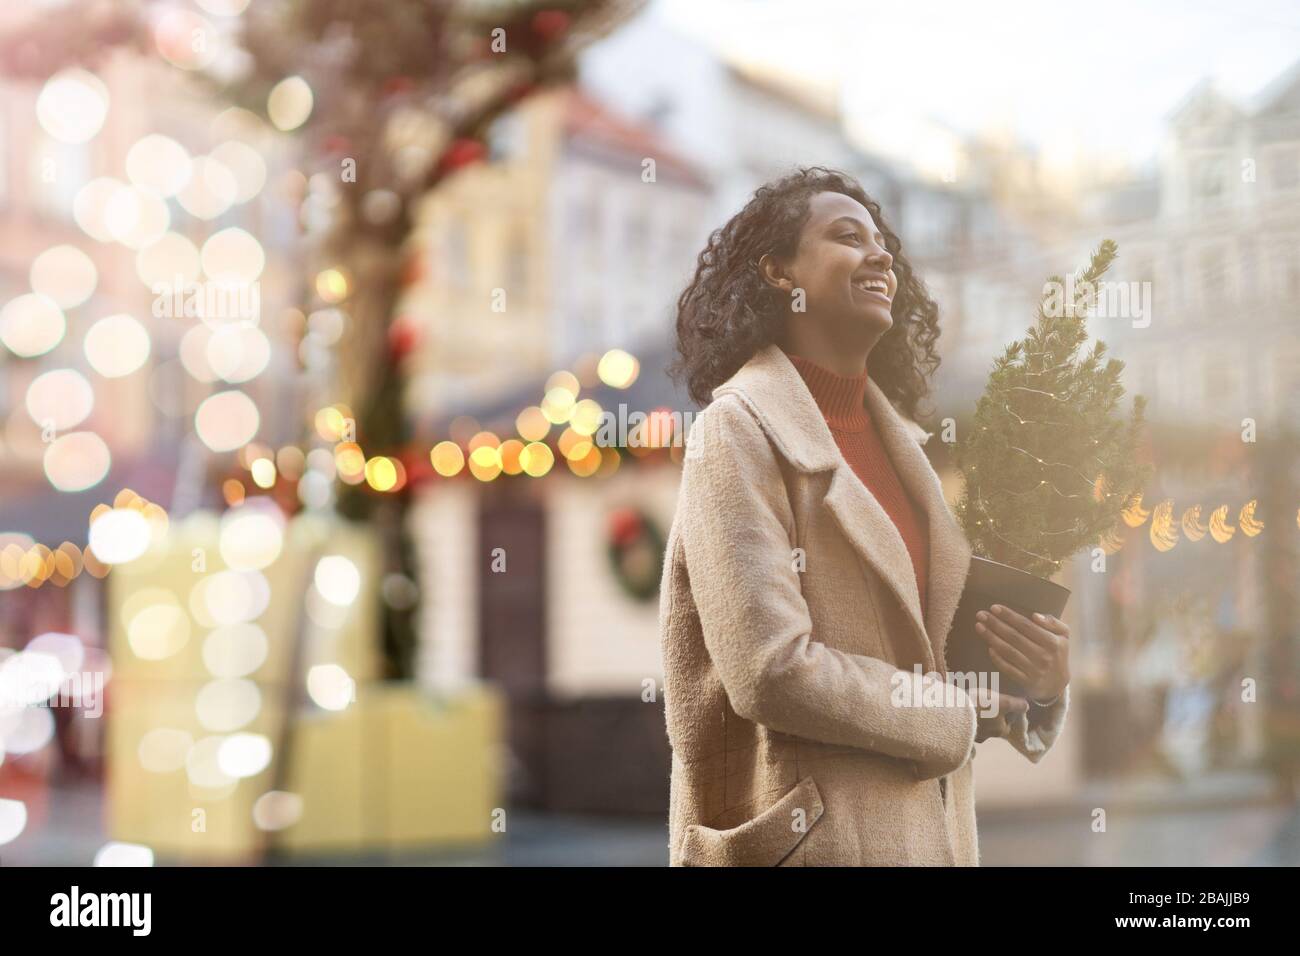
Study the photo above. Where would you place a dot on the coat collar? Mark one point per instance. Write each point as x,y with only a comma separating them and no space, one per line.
772,388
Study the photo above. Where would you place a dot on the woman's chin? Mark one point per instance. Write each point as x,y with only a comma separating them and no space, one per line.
880,320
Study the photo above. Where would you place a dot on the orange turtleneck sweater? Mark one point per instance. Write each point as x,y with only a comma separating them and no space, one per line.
842,400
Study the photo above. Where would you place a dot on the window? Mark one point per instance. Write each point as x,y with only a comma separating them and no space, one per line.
1212,276
1208,182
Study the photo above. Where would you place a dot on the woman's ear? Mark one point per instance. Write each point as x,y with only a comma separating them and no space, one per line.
773,273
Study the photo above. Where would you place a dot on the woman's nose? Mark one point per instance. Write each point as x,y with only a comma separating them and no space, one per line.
880,258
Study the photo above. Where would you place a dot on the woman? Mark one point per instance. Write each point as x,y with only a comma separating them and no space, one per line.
813,566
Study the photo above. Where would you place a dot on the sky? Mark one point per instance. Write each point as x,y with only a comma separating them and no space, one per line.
1093,79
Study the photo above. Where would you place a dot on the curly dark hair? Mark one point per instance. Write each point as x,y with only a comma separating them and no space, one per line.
728,312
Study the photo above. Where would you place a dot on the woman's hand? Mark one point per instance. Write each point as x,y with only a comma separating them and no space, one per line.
1034,653
998,725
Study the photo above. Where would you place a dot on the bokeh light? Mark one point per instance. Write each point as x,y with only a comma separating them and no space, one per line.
65,275
72,105
119,535
77,461
116,346
163,749
136,217
244,755
557,406
337,579
170,259
158,163
158,631
13,820
186,40
236,650
262,471
332,285
232,255
536,459
532,424
31,325
227,703
230,597
210,191
123,854
237,353
289,103
245,165
381,473
194,353
447,458
59,399
585,419
618,369
330,687
251,536
276,810
90,207
485,462
227,420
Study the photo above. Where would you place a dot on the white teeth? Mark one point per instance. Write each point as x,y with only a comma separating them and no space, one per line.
874,285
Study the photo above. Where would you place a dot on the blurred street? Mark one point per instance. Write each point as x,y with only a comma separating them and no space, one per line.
340,453
1230,821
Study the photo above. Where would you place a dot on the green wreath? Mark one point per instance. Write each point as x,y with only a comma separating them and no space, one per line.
636,552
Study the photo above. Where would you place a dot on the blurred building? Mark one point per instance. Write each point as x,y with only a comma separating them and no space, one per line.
1221,250
1209,264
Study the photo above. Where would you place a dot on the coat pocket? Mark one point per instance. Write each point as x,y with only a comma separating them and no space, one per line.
765,840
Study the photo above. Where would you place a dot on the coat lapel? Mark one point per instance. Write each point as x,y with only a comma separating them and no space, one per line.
777,395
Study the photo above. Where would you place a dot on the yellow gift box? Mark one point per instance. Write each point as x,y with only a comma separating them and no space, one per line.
396,771
201,686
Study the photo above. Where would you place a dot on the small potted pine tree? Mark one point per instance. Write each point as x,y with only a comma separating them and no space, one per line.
1048,464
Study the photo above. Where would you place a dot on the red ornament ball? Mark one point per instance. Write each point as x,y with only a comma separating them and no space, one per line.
336,144
624,526
402,338
549,24
396,85
462,152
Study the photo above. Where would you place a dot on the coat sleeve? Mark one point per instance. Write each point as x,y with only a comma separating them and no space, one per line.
737,532
1034,733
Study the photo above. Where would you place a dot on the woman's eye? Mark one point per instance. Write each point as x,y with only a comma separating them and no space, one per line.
849,235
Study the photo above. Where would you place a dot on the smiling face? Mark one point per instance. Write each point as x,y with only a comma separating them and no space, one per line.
844,269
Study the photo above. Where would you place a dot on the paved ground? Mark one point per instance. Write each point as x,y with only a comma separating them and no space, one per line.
1228,824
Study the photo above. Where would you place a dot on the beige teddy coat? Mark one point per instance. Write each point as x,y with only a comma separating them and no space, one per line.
787,611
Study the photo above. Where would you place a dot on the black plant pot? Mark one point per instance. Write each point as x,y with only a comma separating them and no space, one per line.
990,583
